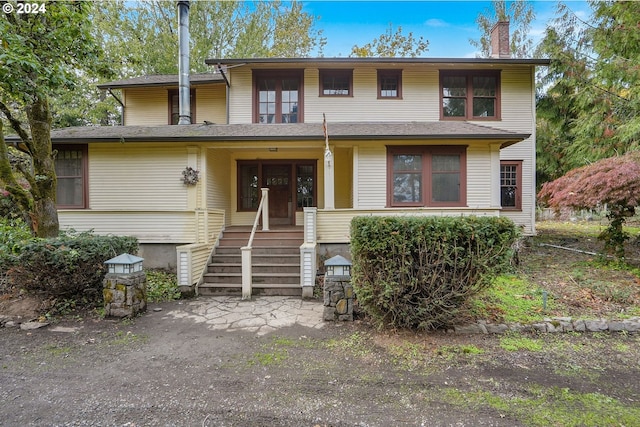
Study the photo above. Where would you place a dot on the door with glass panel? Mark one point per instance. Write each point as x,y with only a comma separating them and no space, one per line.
277,178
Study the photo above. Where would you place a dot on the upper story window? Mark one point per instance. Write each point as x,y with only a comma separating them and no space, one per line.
278,96
426,176
336,82
71,171
511,184
470,95
389,84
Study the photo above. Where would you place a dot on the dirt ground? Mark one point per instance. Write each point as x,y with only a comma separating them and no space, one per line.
157,371
160,371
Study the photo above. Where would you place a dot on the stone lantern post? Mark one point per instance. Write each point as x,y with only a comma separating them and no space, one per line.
338,292
125,286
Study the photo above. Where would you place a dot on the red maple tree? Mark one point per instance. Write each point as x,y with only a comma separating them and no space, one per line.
613,183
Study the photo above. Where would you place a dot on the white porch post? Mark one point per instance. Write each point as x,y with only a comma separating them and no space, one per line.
495,176
265,209
308,253
246,272
329,180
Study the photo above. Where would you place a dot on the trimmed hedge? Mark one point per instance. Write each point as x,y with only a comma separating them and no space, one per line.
419,272
69,266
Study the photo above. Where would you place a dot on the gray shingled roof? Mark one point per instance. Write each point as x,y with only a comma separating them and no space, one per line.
299,131
161,80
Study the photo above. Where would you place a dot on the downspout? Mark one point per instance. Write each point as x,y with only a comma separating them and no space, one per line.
119,102
184,88
221,70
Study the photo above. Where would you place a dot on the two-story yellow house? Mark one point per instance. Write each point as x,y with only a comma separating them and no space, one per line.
404,136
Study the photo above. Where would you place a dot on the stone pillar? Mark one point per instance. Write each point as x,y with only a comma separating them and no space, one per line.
338,298
125,295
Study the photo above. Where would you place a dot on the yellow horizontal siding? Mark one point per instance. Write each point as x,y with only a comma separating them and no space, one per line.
147,226
420,98
218,179
478,177
211,104
372,179
136,177
146,107
215,224
192,262
333,226
343,177
240,98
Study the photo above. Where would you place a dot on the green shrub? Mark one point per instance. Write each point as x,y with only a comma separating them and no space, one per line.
14,234
69,266
162,286
419,272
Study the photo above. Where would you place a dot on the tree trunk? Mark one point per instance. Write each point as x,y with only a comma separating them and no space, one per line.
45,214
15,201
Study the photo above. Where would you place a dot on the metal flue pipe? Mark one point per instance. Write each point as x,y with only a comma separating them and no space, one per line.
184,86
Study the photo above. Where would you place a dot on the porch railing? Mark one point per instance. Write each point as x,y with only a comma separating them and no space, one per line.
263,210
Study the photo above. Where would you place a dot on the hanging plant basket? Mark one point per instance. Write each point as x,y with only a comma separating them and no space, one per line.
190,176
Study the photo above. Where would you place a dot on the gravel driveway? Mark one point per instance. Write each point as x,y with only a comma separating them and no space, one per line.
173,368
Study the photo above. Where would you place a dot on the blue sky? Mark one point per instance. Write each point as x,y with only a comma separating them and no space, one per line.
447,25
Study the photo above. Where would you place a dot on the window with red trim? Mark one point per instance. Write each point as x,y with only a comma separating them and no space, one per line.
336,82
470,95
426,176
278,96
511,184
71,171
390,84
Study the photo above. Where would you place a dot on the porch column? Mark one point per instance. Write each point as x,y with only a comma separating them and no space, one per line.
329,180
308,253
495,175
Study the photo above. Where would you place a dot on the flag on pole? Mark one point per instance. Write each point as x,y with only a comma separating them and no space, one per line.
327,151
324,129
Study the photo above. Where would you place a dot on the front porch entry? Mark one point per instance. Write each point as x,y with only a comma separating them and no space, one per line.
277,178
292,187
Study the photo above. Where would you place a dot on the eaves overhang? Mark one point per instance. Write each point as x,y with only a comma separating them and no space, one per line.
162,80
355,131
384,60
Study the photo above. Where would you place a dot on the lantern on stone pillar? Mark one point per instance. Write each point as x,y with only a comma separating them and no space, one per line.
338,266
124,264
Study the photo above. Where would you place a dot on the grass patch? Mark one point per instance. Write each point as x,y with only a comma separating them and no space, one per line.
517,343
275,352
358,344
512,299
553,407
127,338
272,358
407,355
452,351
55,350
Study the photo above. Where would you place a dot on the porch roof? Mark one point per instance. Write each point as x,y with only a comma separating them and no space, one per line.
449,130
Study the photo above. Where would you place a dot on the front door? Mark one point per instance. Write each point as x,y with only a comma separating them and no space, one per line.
278,179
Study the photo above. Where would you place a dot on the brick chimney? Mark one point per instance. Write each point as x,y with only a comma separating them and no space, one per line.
500,40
